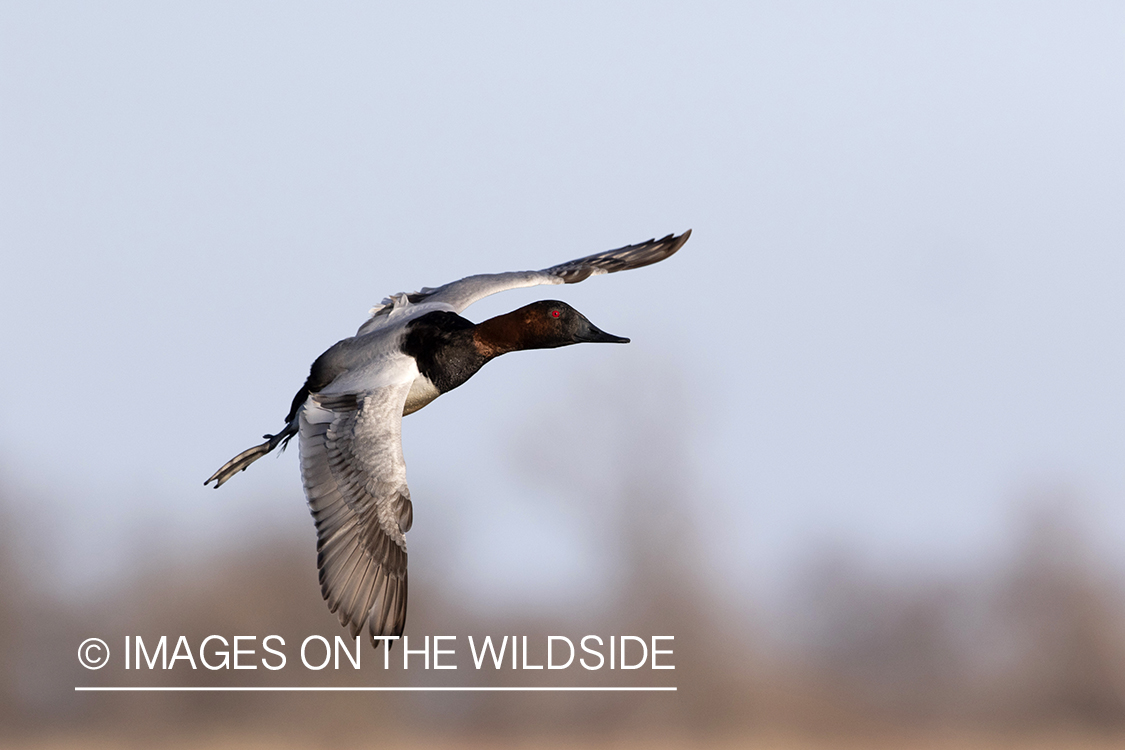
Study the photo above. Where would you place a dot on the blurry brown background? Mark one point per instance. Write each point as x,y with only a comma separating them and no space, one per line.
1026,651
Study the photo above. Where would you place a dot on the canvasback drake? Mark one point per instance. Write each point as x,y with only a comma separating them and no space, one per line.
412,349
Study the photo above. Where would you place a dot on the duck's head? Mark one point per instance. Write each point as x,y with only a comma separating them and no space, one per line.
558,324
543,325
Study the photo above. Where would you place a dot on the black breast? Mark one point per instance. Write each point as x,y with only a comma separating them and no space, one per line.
442,345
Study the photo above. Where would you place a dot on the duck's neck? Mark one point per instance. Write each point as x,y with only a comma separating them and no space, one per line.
502,334
443,348
449,349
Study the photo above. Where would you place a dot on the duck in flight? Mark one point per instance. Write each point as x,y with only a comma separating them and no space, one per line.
348,414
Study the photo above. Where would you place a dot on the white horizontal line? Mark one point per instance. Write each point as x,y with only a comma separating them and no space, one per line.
440,689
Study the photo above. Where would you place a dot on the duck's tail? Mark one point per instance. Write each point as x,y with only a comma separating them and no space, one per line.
250,455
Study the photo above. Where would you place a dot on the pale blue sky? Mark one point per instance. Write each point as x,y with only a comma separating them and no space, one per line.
899,316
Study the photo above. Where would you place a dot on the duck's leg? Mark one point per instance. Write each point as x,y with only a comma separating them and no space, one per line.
250,455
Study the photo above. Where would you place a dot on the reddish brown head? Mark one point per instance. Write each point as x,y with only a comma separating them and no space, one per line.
540,325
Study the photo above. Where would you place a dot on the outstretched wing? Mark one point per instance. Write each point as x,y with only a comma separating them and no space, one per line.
355,482
621,259
458,295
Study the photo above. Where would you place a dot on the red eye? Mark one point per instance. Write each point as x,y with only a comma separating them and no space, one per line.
556,313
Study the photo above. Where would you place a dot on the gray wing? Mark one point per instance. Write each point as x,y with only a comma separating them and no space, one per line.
458,295
355,482
621,259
